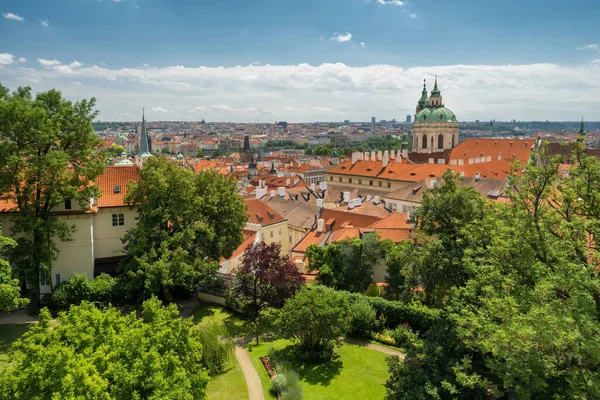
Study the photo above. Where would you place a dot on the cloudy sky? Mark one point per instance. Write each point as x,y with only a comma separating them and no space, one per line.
308,60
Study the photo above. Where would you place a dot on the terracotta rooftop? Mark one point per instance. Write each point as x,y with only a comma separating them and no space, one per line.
113,184
249,238
507,149
262,214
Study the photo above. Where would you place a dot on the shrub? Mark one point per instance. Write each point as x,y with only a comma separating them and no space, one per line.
102,289
279,384
404,336
293,386
71,292
217,347
373,290
362,319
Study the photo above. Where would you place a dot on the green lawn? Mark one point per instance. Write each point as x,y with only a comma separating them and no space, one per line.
8,335
231,384
356,372
236,326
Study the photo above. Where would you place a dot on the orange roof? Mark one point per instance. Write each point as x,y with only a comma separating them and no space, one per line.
392,221
262,214
249,237
113,184
506,149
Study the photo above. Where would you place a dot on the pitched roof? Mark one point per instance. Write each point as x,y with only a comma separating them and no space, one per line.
249,238
262,214
298,214
506,149
113,184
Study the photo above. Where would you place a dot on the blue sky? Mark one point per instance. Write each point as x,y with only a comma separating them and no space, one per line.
126,53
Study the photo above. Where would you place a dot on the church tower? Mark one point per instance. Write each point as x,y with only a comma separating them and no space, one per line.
144,152
435,128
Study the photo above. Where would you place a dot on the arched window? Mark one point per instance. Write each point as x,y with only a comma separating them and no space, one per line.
440,141
453,143
424,141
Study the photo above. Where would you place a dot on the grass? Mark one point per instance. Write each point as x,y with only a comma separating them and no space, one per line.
355,373
8,335
235,325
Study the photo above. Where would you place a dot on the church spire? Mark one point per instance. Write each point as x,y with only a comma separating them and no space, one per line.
144,148
424,100
581,128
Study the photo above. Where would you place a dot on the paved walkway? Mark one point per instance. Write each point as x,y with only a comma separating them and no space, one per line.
17,317
255,390
377,347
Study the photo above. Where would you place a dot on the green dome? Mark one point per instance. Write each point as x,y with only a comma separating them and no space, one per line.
435,114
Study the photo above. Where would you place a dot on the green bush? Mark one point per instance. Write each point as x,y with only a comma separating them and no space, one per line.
362,319
71,292
404,336
102,288
217,347
373,290
293,385
279,384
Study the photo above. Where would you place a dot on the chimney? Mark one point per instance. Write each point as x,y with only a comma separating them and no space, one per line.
287,182
405,153
320,225
346,197
281,191
367,156
385,160
399,159
379,155
432,183
376,200
272,193
320,203
354,157
323,185
313,187
393,154
373,156
477,176
386,153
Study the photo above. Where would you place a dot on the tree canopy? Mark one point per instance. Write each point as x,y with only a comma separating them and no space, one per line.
102,354
48,154
520,301
187,222
10,291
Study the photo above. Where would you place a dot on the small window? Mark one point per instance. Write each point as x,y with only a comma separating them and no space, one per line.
349,180
57,279
290,239
360,181
389,184
262,237
279,231
371,183
331,178
340,179
117,189
271,233
44,279
380,183
67,204
118,219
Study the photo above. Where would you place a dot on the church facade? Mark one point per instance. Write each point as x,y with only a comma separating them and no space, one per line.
435,128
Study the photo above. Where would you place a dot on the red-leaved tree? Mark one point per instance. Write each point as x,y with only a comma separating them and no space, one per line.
265,279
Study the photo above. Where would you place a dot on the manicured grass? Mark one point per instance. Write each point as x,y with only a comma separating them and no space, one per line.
235,324
355,373
231,384
8,335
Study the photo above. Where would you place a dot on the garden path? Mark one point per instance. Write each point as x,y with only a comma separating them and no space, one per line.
255,390
377,347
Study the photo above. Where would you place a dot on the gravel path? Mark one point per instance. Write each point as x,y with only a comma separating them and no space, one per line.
255,390
377,347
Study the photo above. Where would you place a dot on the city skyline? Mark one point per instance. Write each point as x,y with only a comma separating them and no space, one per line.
307,61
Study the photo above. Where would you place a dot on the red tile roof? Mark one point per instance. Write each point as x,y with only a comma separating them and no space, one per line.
262,214
507,149
113,177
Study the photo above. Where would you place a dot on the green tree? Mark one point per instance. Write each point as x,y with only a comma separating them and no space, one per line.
102,354
115,150
10,293
309,151
186,224
316,318
348,264
200,153
48,154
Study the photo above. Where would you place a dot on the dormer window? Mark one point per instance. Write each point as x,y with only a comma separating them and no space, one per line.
117,189
67,204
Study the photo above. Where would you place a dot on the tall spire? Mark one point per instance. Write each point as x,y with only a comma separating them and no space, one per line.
435,92
424,100
246,143
581,128
144,149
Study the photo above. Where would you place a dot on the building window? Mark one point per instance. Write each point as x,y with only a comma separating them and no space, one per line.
424,142
290,238
360,181
271,233
262,237
330,178
118,219
440,141
389,184
45,279
117,189
380,183
67,204
340,179
371,183
349,180
57,279
279,231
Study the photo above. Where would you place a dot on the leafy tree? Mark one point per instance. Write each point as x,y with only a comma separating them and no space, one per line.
316,318
265,279
348,264
309,151
10,294
115,150
523,323
48,154
102,354
79,288
186,224
200,153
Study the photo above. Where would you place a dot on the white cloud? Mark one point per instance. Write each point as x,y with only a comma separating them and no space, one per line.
6,59
412,15
501,92
593,46
44,22
124,114
362,44
48,63
221,107
76,83
322,109
75,64
341,37
22,60
145,65
391,2
251,109
14,17
158,110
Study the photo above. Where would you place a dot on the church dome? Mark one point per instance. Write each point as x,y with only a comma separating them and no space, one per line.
435,114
